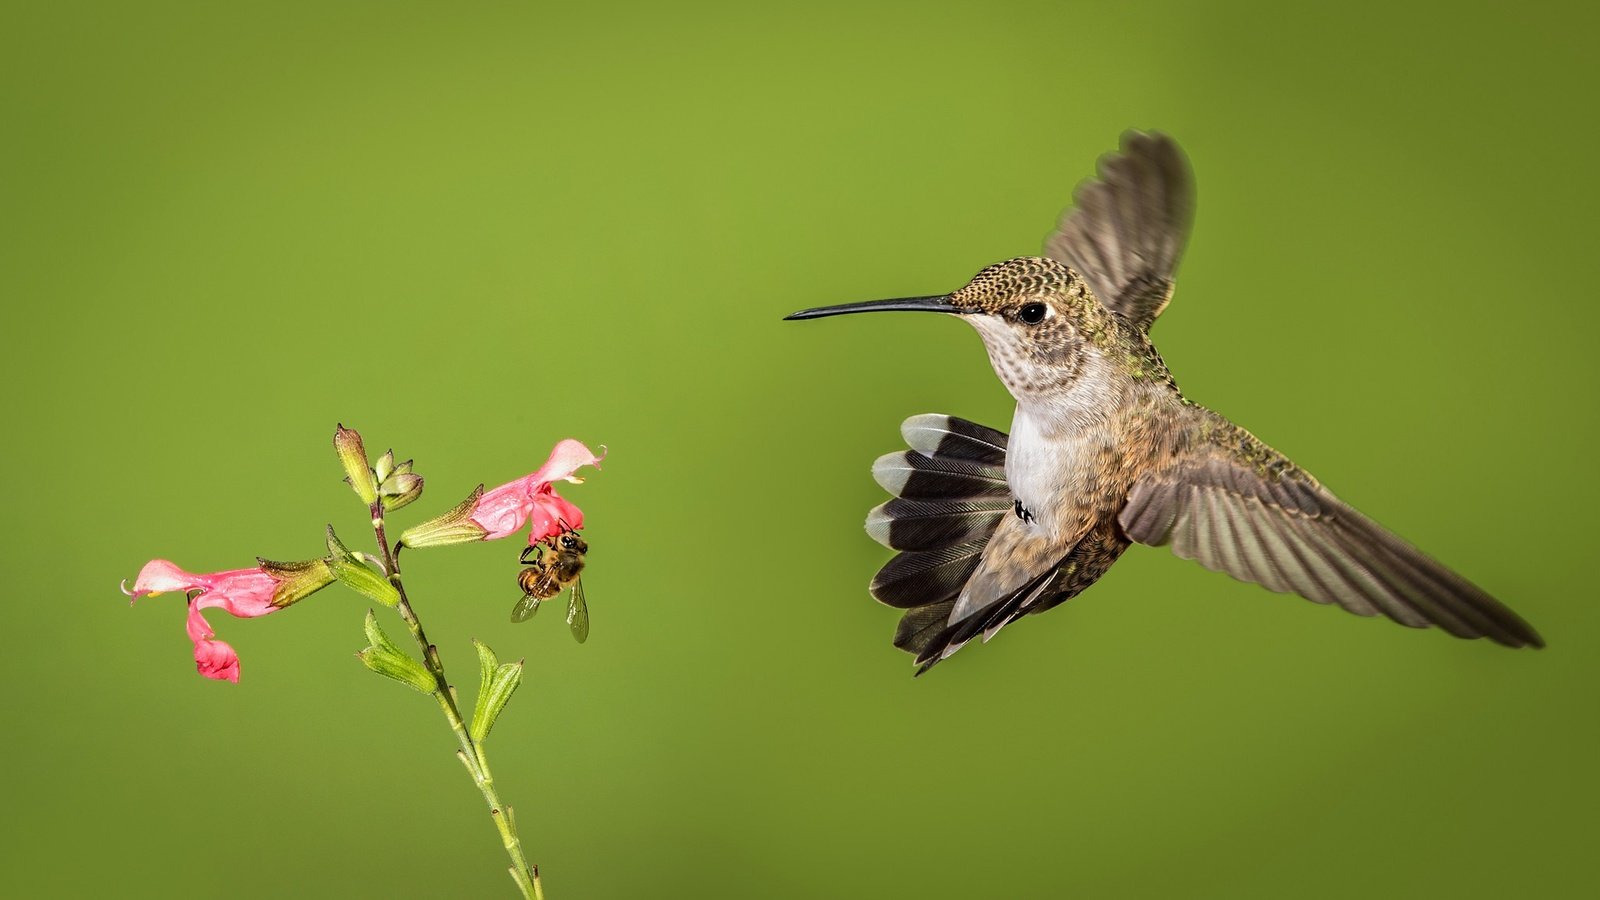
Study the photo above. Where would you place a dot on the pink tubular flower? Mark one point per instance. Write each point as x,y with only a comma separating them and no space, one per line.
505,509
491,515
246,593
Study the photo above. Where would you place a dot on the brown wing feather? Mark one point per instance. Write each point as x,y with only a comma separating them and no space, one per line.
1241,509
1127,230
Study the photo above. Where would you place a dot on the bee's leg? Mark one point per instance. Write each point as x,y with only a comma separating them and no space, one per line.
524,557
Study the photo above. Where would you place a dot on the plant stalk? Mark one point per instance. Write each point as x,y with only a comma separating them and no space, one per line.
471,754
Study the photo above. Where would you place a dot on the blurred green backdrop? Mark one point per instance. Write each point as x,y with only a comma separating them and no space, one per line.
472,229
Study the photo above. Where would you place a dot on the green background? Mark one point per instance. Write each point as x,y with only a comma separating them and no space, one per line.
471,231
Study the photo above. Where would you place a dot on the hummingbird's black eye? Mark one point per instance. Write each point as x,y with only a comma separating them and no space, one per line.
1033,313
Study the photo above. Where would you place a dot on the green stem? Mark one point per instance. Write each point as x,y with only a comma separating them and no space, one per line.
471,754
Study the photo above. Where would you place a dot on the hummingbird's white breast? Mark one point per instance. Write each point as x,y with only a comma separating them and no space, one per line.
1044,472
1055,444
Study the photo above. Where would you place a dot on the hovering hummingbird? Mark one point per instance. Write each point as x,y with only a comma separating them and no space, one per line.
1104,450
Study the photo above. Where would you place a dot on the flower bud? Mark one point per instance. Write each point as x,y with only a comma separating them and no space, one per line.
454,527
399,489
384,466
353,456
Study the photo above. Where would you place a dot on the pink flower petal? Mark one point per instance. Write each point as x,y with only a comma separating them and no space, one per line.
160,576
246,593
215,659
567,457
550,511
212,658
504,510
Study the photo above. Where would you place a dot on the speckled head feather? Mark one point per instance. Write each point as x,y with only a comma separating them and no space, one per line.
998,286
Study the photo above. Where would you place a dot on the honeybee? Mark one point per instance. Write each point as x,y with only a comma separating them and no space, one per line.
557,565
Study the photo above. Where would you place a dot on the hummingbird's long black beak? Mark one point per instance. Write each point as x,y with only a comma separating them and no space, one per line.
940,304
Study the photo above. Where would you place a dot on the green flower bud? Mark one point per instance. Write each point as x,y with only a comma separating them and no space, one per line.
353,456
399,489
384,466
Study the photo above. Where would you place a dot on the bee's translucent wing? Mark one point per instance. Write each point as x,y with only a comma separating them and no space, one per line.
578,613
525,608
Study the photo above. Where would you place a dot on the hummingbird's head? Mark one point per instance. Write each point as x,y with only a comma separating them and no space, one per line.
1044,329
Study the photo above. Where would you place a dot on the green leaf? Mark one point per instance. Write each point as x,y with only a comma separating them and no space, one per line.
496,684
355,574
388,660
487,664
376,639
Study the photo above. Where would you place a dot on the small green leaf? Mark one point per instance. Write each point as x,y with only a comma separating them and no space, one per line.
487,663
375,636
496,684
383,657
357,575
401,668
364,580
336,547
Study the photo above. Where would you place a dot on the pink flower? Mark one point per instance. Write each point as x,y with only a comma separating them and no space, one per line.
505,509
491,515
246,593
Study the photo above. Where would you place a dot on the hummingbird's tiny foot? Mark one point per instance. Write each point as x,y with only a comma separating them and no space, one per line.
1021,511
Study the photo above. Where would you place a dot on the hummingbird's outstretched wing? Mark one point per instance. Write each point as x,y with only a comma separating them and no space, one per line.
1237,506
1128,227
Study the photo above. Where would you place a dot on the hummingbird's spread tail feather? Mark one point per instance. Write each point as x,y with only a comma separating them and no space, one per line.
912,580
939,435
917,475
950,494
905,524
921,625
949,489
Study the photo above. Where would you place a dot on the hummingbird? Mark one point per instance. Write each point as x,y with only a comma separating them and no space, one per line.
1105,451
